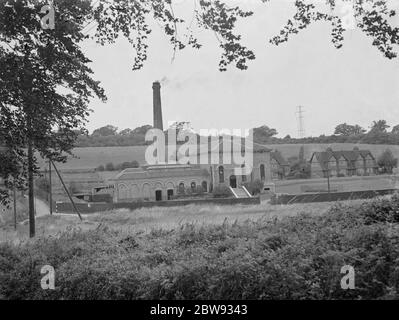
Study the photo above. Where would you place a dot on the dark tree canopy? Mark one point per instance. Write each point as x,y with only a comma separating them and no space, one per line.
379,126
387,161
142,130
107,130
263,133
395,129
45,86
347,130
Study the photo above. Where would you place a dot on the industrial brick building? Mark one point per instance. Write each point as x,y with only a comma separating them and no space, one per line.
163,181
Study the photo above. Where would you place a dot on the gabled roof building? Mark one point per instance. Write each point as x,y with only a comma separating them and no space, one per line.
343,163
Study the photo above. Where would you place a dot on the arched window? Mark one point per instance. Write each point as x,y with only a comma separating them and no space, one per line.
204,186
262,172
181,188
221,174
123,191
193,186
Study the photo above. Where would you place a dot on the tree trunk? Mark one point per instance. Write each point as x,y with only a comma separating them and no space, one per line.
31,190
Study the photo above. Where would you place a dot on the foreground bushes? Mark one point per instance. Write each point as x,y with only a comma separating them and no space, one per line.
296,258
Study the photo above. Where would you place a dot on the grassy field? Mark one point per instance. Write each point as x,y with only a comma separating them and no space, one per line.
93,157
147,219
355,183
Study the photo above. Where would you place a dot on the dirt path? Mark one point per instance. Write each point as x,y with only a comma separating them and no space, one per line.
41,209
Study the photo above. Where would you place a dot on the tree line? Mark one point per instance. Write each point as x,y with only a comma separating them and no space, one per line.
379,133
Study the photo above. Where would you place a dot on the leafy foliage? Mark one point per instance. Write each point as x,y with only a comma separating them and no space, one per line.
395,129
299,167
254,187
387,161
130,18
264,133
382,210
119,167
294,258
106,131
379,126
45,85
221,191
371,17
348,130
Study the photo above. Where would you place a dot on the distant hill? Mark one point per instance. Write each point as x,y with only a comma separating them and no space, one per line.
92,157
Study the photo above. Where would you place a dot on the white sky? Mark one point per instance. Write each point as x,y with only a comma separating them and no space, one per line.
355,84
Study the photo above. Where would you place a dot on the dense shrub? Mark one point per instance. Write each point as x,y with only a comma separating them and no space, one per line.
387,162
126,165
293,258
118,167
254,187
109,166
382,210
221,192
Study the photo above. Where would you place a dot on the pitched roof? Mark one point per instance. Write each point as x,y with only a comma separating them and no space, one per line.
161,171
349,155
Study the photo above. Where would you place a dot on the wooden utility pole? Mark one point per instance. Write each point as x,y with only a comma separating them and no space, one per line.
50,188
328,183
15,206
66,190
29,110
31,190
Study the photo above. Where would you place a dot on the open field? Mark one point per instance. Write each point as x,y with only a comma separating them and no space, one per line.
90,158
168,218
354,183
87,158
147,219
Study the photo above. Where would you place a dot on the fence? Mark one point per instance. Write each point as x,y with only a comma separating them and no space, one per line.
66,207
327,197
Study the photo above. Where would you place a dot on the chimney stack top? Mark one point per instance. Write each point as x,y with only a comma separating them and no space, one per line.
156,86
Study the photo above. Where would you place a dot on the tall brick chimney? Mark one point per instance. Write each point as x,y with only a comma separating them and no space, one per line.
156,88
